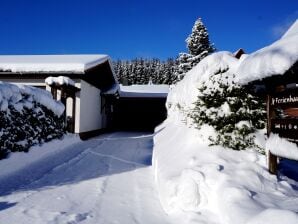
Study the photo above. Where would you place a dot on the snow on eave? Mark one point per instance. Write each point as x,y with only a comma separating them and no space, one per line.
274,59
96,62
64,64
293,30
144,91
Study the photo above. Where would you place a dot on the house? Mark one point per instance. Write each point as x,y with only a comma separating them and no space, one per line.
83,80
88,87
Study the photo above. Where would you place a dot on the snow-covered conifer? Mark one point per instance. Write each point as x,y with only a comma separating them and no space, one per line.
234,113
198,46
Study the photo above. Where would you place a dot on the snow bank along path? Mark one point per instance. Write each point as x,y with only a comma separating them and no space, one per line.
212,184
104,180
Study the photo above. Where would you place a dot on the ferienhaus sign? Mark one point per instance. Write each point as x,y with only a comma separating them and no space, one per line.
284,105
282,115
291,99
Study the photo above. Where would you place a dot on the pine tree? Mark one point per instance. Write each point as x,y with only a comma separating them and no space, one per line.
198,43
140,71
234,114
198,46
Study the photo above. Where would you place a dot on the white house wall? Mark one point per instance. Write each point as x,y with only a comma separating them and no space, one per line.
90,117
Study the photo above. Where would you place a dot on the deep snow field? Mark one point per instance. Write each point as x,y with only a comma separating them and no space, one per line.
215,185
109,179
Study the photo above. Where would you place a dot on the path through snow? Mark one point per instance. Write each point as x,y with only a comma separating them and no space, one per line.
107,179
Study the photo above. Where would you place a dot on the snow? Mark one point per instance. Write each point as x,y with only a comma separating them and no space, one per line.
275,59
293,30
212,184
61,80
144,91
106,179
217,185
20,160
50,63
11,95
186,91
282,147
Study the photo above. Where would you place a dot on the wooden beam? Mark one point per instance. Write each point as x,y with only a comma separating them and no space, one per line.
272,163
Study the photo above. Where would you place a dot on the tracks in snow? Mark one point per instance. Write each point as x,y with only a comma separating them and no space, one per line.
103,180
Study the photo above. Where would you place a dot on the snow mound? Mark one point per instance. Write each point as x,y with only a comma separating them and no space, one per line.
282,147
275,59
12,95
293,30
185,93
232,187
213,184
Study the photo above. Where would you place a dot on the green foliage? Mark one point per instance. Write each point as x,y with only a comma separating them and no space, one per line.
198,46
198,41
234,114
20,130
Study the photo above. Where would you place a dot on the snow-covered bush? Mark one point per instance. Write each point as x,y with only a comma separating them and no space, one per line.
234,114
28,116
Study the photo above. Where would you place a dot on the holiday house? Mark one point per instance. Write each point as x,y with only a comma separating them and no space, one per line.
79,81
87,86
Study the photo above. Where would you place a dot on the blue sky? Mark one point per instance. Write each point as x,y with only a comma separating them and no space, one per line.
130,28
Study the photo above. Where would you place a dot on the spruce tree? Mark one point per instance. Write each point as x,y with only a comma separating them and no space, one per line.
234,113
198,46
198,43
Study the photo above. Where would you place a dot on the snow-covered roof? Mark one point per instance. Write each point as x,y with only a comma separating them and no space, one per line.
150,91
50,63
274,59
293,30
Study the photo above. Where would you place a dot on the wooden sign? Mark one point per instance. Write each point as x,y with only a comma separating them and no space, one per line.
282,118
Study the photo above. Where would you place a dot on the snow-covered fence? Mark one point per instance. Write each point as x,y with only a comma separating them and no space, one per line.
28,116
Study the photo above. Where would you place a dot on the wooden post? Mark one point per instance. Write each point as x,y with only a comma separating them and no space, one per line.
73,112
272,159
269,114
272,163
54,92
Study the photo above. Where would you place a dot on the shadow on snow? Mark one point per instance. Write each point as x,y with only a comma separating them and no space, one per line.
5,205
102,156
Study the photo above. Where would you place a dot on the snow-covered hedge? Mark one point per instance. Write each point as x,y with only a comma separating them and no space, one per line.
28,116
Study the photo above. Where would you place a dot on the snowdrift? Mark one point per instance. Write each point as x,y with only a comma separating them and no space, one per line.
213,184
274,59
28,116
